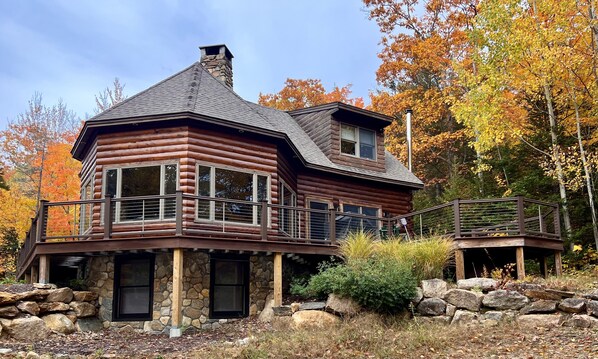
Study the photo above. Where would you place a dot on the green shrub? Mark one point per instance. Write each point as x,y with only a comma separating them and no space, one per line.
381,285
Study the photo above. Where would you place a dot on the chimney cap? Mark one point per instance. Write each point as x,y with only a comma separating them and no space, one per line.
216,49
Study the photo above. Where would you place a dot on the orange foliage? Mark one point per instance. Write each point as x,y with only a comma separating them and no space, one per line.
297,94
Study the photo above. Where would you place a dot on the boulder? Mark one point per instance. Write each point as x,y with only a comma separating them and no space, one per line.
314,318
450,310
419,295
44,286
572,305
539,320
295,306
8,298
592,295
541,294
31,329
267,314
464,299
34,295
540,307
484,284
581,321
282,311
505,299
464,317
494,315
64,295
84,296
53,307
312,306
442,320
432,306
91,325
433,288
29,307
345,307
59,323
9,311
593,307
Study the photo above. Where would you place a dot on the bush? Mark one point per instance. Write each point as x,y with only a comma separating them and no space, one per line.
378,284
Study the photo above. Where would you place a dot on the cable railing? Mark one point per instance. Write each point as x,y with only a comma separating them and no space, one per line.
225,218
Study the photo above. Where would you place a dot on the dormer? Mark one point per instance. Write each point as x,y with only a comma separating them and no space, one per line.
348,135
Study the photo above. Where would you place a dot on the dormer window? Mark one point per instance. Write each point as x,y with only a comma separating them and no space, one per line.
357,141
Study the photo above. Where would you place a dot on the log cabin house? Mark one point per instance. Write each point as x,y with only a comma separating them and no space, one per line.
191,196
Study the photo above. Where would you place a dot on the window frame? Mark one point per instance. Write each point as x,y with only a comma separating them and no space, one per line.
86,183
116,290
357,142
283,187
117,211
212,217
361,206
239,260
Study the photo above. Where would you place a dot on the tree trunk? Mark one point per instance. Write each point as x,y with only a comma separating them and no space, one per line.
586,170
557,160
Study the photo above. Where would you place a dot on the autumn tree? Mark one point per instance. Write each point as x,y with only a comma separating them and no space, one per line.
297,94
421,40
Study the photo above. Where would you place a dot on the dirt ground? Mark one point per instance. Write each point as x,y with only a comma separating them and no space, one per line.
504,341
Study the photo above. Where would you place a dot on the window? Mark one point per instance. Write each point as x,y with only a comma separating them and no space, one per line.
130,182
346,224
233,185
133,283
288,217
318,221
86,208
359,142
229,292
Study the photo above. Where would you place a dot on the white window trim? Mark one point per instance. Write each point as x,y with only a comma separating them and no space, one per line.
255,174
294,224
119,168
357,142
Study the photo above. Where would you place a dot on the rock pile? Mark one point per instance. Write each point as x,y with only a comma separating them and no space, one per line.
33,315
476,301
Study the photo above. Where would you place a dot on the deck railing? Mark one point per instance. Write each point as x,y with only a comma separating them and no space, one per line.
219,218
516,216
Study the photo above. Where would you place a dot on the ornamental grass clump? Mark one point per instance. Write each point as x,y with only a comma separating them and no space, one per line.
357,246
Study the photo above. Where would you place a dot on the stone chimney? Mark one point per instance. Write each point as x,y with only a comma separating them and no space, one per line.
218,60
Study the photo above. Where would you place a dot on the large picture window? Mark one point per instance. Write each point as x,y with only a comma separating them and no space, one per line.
241,187
130,182
133,283
359,142
346,224
86,208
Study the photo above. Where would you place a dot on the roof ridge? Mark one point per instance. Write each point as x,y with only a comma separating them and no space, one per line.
141,93
194,84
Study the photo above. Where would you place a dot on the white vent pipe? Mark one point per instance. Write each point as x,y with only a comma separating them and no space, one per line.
409,149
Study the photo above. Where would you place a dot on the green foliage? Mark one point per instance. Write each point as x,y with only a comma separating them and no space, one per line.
77,284
9,249
580,258
379,284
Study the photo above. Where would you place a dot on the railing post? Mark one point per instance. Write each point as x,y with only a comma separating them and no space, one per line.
557,221
457,215
332,225
521,215
40,230
264,220
107,217
178,212
389,229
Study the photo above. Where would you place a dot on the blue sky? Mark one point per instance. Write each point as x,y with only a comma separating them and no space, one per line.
74,49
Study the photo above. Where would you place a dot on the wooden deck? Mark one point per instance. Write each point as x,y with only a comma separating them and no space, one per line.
92,227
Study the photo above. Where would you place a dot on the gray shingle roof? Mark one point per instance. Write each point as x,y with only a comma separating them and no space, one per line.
194,90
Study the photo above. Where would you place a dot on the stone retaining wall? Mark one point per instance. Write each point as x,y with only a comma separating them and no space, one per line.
34,314
476,301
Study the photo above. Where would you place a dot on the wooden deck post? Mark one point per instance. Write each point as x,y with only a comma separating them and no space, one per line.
332,225
457,218
108,217
459,264
277,279
34,275
558,263
44,269
543,266
178,213
177,293
520,263
28,278
264,220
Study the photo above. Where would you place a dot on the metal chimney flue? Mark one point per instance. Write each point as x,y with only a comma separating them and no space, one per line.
409,148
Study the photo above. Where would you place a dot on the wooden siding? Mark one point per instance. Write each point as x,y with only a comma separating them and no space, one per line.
337,157
395,200
318,126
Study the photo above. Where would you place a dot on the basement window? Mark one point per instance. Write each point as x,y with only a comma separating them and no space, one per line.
133,284
358,142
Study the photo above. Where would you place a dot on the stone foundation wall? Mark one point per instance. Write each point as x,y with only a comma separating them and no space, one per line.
196,290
